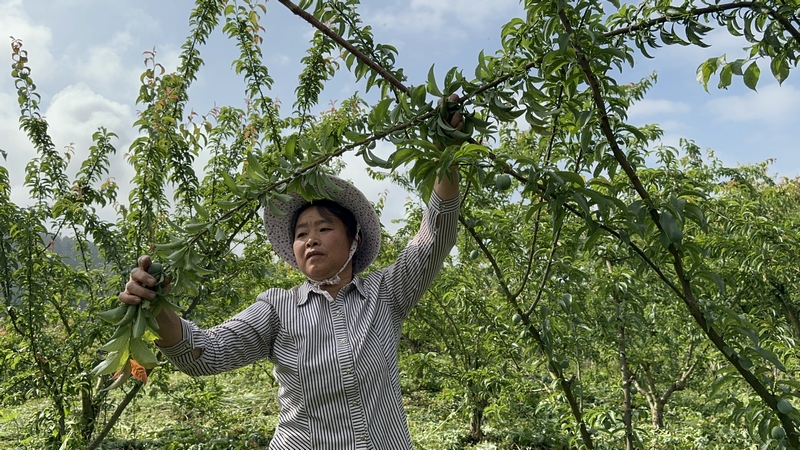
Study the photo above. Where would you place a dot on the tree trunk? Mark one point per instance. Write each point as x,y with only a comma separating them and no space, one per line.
627,419
657,413
626,381
476,422
87,414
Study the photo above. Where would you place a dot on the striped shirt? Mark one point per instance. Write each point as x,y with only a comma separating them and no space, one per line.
335,359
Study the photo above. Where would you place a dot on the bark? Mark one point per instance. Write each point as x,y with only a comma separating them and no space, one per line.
476,422
788,309
625,372
626,386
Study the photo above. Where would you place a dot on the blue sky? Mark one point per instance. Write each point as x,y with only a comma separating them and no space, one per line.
86,57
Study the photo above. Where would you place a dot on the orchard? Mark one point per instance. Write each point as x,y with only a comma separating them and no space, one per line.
606,291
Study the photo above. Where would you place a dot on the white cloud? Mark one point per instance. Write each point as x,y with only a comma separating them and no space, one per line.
655,107
441,19
77,112
73,116
773,104
16,144
103,67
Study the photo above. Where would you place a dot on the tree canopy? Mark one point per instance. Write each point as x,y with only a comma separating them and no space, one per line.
606,291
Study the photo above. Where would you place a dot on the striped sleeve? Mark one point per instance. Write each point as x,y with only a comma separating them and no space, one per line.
237,342
420,262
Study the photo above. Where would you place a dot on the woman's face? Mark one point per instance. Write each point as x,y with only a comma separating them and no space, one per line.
321,245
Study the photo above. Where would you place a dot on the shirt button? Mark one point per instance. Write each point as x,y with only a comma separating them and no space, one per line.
349,371
343,341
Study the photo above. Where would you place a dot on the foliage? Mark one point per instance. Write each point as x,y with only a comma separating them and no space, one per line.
606,292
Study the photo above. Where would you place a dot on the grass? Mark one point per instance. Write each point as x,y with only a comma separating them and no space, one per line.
235,410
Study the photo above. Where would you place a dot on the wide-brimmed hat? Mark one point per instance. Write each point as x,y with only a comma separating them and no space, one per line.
282,237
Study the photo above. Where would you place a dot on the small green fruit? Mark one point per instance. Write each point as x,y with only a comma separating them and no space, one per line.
155,269
778,432
503,182
634,390
474,254
785,407
516,319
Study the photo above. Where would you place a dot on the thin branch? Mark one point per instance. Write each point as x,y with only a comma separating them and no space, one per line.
344,43
688,295
529,266
547,270
496,267
787,25
114,417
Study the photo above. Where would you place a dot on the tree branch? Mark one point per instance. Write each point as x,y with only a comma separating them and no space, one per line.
114,417
787,25
546,275
688,295
345,44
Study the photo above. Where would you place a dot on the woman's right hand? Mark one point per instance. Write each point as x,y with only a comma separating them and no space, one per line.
141,284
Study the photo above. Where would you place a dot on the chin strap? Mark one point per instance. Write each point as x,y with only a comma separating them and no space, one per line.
334,280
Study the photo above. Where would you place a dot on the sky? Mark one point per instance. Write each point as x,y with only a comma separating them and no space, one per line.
87,56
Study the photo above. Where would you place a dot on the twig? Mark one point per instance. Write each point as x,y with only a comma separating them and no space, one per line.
344,43
709,10
114,417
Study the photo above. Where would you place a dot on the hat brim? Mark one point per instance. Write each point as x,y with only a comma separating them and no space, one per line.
282,239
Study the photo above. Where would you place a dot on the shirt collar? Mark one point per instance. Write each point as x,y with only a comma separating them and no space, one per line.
305,290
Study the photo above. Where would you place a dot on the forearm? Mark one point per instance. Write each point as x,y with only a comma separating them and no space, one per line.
170,331
446,187
420,261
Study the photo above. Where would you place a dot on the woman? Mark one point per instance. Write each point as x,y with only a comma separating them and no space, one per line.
332,340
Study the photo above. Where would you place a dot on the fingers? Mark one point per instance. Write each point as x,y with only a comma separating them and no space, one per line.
457,119
139,275
128,298
144,262
137,290
138,286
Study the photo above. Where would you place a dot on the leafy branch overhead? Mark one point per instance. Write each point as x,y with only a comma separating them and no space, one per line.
505,88
595,242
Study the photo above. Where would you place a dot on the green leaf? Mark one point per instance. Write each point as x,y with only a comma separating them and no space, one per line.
118,343
432,88
671,228
725,76
274,209
780,69
704,72
289,146
109,365
113,315
769,356
140,324
751,75
142,354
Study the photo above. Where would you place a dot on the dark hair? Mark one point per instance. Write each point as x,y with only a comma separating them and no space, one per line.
327,208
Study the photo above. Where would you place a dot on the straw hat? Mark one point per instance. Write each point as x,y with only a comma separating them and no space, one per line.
282,237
